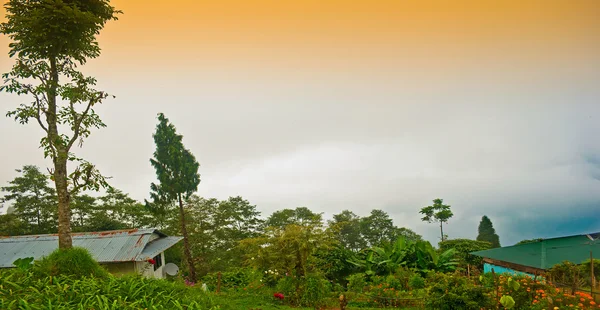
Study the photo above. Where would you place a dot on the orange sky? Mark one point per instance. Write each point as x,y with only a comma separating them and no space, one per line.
334,33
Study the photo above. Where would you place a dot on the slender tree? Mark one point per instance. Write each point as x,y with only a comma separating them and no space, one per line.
178,178
50,39
438,212
486,232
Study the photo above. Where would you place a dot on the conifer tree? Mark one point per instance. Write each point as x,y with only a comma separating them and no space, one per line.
178,178
487,232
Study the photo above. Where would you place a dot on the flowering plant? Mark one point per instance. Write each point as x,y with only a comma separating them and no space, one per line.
151,261
278,296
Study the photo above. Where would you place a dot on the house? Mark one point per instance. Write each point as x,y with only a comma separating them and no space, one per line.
119,251
536,258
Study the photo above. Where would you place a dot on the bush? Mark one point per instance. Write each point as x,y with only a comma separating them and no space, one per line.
357,283
310,291
416,282
449,292
76,262
233,279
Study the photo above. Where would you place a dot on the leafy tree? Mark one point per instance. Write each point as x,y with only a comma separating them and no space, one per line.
408,234
51,38
178,177
487,232
463,248
122,208
378,228
299,216
83,209
291,249
201,213
346,227
438,212
32,200
11,225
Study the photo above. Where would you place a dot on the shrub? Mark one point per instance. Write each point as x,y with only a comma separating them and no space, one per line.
235,278
357,283
76,262
416,282
455,292
314,290
311,291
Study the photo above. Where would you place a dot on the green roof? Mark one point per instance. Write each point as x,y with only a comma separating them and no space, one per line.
548,252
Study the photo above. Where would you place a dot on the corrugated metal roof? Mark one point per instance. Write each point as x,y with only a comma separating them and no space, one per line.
158,246
106,246
548,252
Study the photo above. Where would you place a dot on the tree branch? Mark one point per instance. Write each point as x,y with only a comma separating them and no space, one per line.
38,105
77,120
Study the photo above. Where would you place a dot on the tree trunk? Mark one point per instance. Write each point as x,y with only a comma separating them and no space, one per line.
60,157
442,231
186,242
64,210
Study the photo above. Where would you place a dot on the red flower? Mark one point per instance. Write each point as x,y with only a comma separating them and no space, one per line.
151,261
278,296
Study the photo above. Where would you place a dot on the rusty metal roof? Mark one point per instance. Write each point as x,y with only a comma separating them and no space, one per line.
106,246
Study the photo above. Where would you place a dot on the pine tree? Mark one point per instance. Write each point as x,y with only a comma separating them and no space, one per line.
178,177
487,232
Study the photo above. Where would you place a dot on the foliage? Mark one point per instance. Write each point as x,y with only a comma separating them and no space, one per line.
438,212
33,201
178,178
486,232
23,291
586,267
568,274
291,249
462,248
311,290
50,38
301,216
233,279
76,262
357,282
23,263
378,228
449,291
529,241
416,255
416,282
335,263
529,293
347,229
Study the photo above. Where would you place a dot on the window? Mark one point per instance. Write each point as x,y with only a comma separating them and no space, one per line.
158,261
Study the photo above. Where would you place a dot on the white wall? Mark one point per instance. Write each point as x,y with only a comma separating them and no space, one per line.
147,270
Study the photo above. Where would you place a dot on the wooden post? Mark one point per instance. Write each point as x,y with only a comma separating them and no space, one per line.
592,272
219,282
496,289
343,302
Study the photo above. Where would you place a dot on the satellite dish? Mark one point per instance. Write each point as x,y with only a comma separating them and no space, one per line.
171,269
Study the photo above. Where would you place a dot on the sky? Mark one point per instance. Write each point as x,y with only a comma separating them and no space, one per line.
491,105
